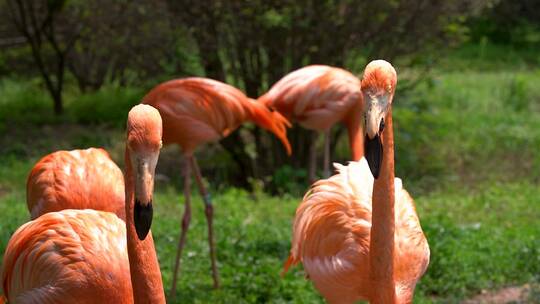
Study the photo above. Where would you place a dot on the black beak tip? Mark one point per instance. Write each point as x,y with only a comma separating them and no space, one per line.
374,151
374,170
143,219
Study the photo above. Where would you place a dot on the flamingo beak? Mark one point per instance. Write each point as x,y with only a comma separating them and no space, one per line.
374,154
374,119
144,187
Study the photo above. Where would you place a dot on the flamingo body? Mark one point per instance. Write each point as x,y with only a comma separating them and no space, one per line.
77,179
316,96
196,111
200,110
71,256
331,236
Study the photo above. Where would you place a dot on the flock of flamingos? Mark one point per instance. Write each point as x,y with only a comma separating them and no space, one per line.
356,233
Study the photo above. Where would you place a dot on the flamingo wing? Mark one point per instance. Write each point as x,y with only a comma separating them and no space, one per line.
71,256
331,233
77,179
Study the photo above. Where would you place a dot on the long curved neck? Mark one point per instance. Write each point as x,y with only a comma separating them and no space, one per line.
383,223
143,262
353,122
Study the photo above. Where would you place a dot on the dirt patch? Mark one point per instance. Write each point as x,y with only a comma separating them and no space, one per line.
507,295
4,190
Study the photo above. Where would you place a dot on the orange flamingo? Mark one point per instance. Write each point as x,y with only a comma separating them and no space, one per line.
77,179
317,97
196,111
360,238
79,256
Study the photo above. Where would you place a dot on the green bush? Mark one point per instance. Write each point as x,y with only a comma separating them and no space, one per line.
24,102
289,180
108,105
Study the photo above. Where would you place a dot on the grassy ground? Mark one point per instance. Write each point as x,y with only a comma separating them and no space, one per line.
479,239
467,148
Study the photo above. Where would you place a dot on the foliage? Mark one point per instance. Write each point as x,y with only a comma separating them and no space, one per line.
515,23
108,105
289,180
23,101
123,42
253,44
51,29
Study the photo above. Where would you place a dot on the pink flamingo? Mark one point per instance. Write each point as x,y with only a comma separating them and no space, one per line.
317,97
359,238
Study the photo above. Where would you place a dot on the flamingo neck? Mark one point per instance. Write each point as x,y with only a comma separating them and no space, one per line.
383,223
353,122
143,262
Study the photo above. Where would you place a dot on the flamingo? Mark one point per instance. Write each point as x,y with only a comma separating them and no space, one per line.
77,179
196,111
357,233
79,256
317,97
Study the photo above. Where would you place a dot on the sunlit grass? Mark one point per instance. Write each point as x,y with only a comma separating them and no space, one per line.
479,238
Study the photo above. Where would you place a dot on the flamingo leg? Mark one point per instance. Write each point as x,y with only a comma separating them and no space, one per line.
185,223
313,158
326,171
209,212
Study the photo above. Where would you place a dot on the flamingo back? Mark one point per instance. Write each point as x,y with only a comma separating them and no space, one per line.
198,110
71,256
316,96
331,236
77,179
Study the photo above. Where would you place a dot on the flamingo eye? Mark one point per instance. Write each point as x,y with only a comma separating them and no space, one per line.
381,125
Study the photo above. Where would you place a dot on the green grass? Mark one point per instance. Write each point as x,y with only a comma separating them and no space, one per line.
481,238
469,127
486,56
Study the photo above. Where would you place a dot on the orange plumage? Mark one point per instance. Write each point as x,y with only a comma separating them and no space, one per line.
331,236
319,96
66,257
77,179
200,110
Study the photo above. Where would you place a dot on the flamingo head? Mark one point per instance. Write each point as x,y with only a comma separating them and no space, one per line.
144,130
378,87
